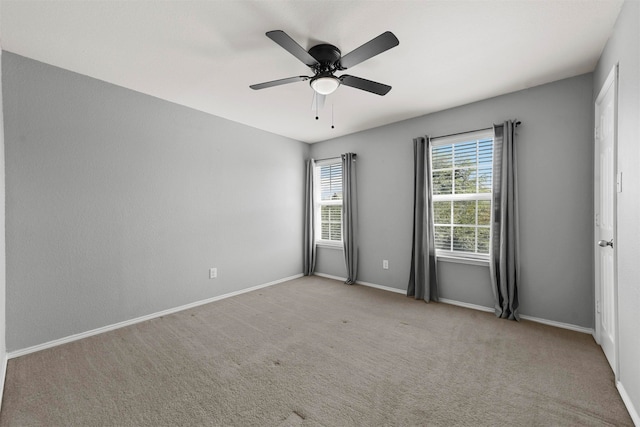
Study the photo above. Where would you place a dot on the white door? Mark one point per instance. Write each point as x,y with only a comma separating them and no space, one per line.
606,184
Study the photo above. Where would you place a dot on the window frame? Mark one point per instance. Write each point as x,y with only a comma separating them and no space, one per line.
460,256
319,203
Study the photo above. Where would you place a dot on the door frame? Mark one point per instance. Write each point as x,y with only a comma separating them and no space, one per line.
612,79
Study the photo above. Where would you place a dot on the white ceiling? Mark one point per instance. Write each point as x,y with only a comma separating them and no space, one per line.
205,54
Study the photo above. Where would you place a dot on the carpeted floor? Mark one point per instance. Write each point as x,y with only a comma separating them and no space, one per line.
315,352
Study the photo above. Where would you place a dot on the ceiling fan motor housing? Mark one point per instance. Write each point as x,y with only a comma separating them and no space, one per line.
327,55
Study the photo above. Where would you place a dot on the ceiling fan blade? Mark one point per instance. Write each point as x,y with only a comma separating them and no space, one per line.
279,82
288,44
364,84
317,103
376,46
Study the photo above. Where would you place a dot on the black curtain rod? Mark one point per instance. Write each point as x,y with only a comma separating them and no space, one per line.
329,158
459,133
518,122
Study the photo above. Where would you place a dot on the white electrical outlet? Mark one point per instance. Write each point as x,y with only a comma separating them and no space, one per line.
213,273
385,264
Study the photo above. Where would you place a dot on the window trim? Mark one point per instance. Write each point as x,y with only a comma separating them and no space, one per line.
462,137
460,256
318,203
332,244
463,257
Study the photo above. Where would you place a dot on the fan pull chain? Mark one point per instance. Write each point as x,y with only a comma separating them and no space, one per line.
316,97
332,127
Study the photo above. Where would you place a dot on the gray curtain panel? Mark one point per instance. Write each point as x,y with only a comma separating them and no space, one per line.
423,281
309,223
504,265
350,216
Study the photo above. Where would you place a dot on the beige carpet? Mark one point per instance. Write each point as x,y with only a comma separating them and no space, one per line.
316,352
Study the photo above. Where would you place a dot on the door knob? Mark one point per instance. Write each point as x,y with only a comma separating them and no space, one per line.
605,243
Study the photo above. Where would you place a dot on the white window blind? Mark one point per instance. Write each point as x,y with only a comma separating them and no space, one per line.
329,202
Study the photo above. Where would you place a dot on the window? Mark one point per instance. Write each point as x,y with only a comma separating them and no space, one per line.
462,172
329,202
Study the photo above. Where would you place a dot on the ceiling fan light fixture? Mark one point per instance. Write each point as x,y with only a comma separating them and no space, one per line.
325,85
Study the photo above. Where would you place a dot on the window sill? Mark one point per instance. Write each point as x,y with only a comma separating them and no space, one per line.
463,260
329,245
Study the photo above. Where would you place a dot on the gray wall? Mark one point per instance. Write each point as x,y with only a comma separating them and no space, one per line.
624,48
554,149
118,203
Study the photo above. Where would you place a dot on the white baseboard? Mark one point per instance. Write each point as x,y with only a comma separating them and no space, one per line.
471,306
633,412
358,282
523,316
329,276
384,288
467,305
119,325
3,375
558,324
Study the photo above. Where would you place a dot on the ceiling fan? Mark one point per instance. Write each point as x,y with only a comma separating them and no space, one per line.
325,60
